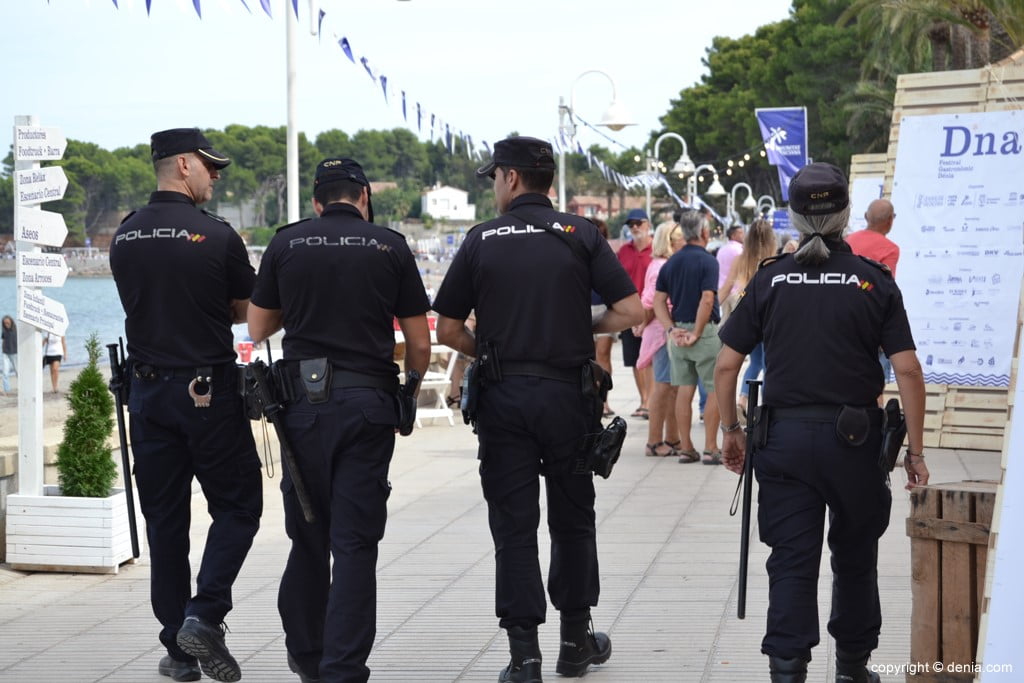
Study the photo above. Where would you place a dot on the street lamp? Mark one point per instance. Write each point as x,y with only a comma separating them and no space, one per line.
614,118
682,166
714,190
748,203
765,200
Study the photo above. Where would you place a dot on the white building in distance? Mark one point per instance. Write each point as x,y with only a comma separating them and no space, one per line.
447,202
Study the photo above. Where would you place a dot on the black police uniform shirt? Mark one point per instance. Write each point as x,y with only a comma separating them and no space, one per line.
530,290
177,268
339,283
822,327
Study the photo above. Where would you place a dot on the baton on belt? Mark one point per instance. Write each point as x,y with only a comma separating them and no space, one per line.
748,485
272,411
119,388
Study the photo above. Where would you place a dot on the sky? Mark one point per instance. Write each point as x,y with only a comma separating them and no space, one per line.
112,75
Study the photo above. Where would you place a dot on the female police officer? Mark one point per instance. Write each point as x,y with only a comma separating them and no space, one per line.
822,314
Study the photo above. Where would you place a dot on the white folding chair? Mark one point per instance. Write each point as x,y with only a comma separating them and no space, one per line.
438,382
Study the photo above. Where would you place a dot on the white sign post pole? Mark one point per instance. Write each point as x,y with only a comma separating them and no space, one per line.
30,353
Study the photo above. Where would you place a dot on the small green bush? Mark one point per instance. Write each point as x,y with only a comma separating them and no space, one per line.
85,466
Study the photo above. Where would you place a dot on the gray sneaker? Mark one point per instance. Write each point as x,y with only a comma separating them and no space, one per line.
178,670
205,642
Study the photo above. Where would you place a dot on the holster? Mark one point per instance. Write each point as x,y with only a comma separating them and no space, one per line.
405,403
894,431
607,447
470,391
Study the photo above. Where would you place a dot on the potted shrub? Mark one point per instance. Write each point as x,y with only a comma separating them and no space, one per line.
81,524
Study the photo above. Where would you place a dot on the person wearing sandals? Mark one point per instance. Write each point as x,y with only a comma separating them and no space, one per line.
690,280
823,428
662,428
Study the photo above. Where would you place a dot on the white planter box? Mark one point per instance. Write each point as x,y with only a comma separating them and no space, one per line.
52,532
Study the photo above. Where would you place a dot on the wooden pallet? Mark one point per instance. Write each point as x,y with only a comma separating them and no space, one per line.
949,528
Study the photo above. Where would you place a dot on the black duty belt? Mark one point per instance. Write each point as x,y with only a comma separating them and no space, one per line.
534,369
343,379
149,372
815,412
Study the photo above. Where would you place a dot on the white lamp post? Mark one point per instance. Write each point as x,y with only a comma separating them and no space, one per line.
765,200
682,166
615,118
748,203
714,190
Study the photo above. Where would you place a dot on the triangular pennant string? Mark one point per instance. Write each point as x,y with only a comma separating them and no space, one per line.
199,11
347,49
295,6
366,65
320,23
265,4
384,87
405,116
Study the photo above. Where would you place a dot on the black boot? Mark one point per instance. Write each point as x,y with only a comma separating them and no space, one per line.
787,670
851,667
526,658
581,647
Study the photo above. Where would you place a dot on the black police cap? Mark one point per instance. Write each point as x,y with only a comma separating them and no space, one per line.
331,170
338,169
519,152
818,189
167,143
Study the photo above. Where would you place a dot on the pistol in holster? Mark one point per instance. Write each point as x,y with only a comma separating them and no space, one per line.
602,447
894,431
405,402
485,369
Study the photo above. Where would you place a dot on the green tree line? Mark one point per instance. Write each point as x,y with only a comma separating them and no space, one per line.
838,58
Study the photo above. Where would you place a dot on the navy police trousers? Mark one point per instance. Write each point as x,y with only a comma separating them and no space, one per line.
803,469
343,448
172,441
529,426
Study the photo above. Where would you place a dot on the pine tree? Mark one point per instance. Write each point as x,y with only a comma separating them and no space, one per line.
84,464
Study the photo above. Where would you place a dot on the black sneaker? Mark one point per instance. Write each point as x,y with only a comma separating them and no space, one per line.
178,670
205,642
294,666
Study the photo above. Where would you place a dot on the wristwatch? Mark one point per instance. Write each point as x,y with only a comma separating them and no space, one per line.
734,427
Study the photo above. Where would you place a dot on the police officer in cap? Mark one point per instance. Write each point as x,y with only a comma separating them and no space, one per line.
184,277
529,282
342,419
824,429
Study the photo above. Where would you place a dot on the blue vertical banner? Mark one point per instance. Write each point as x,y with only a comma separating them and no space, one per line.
784,131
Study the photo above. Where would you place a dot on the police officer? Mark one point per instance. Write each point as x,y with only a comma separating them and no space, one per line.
823,425
184,277
341,420
528,275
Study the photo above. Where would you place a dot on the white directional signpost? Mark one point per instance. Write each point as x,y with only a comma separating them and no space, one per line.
34,185
41,227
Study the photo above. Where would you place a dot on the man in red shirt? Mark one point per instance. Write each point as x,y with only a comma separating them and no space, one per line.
872,241
635,256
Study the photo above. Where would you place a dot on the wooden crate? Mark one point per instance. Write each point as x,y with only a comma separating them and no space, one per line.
949,532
